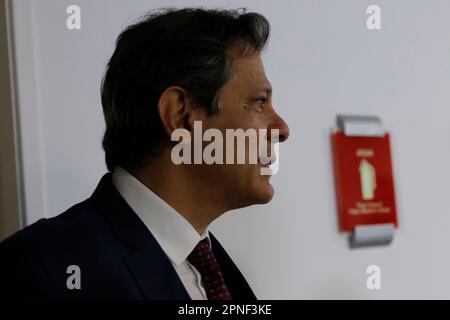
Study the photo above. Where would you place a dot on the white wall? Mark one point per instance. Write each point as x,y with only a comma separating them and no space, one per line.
322,61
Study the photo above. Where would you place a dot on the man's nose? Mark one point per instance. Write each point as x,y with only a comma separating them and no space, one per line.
279,124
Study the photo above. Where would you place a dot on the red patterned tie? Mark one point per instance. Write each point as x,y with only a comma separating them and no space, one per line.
203,260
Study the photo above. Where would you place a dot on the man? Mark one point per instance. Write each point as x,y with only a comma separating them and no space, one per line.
143,234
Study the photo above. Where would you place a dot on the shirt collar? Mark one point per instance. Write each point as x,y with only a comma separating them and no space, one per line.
176,236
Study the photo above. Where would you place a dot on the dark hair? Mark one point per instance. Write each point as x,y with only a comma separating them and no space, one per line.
187,48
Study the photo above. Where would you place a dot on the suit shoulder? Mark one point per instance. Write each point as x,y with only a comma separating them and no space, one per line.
75,222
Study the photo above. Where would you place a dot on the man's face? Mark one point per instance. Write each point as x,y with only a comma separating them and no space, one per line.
246,102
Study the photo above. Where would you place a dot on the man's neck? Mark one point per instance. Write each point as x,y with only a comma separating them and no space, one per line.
173,184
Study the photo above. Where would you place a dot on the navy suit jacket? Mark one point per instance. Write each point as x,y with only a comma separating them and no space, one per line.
117,255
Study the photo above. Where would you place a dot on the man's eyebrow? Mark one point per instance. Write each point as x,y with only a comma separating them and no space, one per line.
266,89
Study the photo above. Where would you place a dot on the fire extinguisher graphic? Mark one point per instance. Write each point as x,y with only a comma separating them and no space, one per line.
368,179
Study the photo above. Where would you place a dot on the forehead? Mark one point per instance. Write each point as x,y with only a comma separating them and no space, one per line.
248,73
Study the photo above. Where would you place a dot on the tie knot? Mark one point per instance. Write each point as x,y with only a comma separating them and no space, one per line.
202,258
202,248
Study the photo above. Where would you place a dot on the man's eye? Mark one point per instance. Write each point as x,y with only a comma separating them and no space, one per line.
261,101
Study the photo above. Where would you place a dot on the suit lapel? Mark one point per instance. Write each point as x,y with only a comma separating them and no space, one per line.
147,262
237,285
155,275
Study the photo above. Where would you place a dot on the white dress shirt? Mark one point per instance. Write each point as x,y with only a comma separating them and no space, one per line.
172,231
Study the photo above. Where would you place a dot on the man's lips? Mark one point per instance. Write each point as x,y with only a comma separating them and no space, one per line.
267,161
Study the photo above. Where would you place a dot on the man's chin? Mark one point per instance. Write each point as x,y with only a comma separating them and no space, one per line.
260,191
264,193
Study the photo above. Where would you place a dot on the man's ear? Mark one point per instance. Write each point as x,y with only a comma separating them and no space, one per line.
176,110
